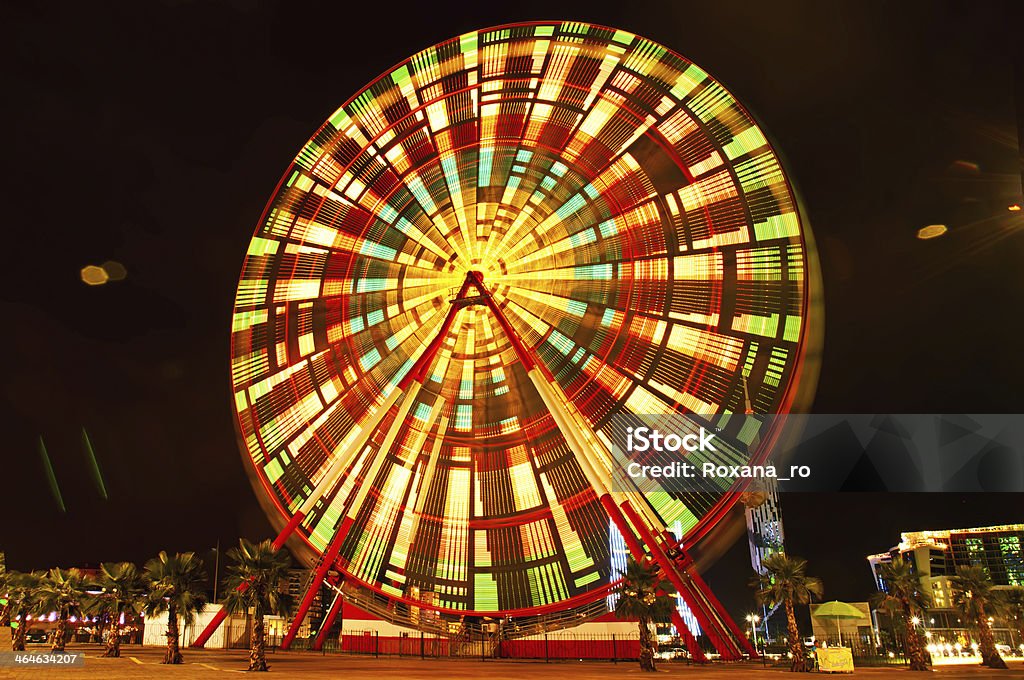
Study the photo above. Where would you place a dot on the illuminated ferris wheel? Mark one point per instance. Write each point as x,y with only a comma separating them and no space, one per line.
474,265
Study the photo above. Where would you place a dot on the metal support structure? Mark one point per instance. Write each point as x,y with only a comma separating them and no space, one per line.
219,617
694,598
637,551
716,606
317,579
332,614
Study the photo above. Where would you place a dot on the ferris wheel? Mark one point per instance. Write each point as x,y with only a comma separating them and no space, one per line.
473,267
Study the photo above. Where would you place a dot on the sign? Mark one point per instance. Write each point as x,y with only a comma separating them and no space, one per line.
835,660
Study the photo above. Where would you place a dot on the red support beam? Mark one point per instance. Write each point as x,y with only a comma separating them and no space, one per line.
288,530
318,578
692,646
716,605
708,621
419,369
637,551
332,614
524,354
219,617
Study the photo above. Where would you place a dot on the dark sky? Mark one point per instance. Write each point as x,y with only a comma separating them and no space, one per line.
153,134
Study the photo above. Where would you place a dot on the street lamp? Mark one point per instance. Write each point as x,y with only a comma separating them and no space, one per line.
753,620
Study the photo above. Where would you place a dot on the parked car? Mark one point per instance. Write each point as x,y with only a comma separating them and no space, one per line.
673,653
36,635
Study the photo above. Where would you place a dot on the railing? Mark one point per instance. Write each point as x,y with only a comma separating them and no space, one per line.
576,646
548,646
864,652
422,618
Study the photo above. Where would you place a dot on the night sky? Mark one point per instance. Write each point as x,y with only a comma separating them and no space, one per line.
153,135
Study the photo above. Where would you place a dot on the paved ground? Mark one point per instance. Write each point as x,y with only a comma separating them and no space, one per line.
142,663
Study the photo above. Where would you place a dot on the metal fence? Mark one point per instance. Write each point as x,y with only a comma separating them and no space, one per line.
559,646
863,649
548,647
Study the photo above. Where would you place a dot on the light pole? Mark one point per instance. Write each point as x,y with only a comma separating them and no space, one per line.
753,620
216,570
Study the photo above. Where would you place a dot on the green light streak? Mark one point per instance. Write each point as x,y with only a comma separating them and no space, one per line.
97,476
52,478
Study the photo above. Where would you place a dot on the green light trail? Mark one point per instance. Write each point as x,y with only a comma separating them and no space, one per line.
94,465
52,478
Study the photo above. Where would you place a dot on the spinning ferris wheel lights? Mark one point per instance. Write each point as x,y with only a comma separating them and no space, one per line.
479,261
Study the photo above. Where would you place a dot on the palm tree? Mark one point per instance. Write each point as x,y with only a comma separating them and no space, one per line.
21,602
175,587
785,581
265,569
5,602
62,591
903,594
645,596
975,597
1014,600
882,603
121,595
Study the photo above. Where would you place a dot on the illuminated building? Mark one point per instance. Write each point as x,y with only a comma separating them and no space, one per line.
765,535
472,266
935,556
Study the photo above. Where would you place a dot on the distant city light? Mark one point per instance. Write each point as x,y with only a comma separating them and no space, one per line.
931,231
115,270
108,271
1015,207
94,276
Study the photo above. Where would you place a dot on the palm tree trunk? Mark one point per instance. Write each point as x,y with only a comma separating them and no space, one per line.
915,653
113,641
257,643
18,639
173,654
60,635
646,647
796,646
989,655
895,632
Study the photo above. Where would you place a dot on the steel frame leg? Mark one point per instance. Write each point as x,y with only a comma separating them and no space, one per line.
332,614
314,585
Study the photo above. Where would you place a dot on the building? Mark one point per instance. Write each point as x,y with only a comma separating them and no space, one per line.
935,556
765,536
